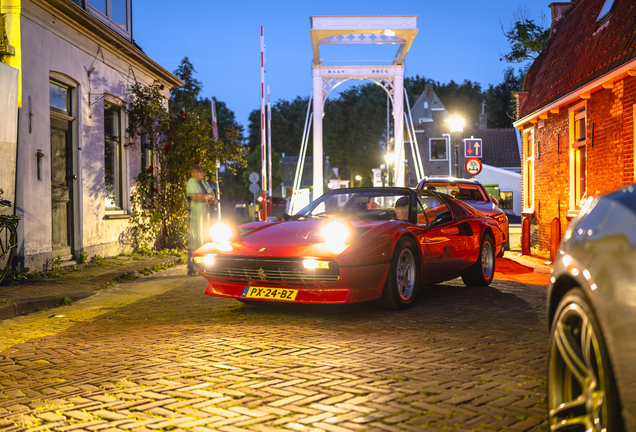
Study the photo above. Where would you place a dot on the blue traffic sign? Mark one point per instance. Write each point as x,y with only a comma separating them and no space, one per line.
472,148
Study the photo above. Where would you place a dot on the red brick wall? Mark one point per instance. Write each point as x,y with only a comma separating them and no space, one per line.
610,155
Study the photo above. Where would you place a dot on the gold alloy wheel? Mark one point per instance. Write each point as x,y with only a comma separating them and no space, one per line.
577,381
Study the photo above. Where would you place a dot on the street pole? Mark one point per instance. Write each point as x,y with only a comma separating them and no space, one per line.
263,135
269,149
456,156
215,133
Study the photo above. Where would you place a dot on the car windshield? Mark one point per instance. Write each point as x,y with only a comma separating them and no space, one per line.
367,204
463,192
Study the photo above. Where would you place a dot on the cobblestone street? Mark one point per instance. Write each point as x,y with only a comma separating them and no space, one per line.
460,359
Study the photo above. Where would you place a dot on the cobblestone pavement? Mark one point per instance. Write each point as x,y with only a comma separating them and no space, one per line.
460,359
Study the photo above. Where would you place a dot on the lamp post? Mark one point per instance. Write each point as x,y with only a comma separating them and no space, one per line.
358,179
390,157
457,128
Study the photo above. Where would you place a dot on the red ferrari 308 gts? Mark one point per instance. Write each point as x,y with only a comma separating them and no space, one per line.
353,245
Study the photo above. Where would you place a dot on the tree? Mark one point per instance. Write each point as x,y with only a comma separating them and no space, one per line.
525,37
185,98
500,100
177,141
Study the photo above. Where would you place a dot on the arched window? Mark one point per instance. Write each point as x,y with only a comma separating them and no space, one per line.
425,105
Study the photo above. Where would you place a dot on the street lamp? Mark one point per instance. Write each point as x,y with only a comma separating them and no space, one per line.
457,128
358,178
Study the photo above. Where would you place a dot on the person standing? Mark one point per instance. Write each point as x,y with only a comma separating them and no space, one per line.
199,193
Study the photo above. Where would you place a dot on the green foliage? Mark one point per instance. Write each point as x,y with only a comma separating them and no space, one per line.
67,301
178,141
55,263
525,37
184,98
83,257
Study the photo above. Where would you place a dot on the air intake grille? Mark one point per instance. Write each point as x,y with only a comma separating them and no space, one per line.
263,269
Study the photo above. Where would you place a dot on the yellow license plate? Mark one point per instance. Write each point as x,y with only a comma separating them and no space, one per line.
269,293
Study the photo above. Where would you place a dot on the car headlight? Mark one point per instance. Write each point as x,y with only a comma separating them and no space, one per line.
335,233
205,259
220,233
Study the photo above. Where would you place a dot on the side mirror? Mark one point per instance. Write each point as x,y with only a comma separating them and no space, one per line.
285,217
495,200
442,218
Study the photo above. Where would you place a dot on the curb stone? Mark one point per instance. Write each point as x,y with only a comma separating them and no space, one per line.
27,306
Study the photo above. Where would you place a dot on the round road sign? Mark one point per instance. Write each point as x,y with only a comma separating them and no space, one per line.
255,188
254,177
473,166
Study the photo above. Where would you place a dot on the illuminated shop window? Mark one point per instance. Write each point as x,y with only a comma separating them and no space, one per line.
578,155
528,172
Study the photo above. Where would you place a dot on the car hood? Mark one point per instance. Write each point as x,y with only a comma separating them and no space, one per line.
296,238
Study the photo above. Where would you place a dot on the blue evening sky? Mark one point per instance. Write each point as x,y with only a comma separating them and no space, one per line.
457,39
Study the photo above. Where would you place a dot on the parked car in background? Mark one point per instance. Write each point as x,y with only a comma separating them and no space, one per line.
592,311
353,245
472,193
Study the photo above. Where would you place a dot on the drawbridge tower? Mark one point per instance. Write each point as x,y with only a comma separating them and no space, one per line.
360,30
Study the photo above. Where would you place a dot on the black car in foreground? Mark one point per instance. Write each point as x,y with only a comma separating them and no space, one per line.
592,311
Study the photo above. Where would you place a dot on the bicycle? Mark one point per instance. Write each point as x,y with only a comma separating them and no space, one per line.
8,238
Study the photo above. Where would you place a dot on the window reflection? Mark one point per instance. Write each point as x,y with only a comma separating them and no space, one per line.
100,5
58,96
120,16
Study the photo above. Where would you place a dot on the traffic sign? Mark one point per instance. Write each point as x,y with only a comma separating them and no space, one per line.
254,177
473,167
472,148
255,188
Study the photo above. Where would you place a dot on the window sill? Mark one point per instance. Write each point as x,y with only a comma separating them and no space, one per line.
572,214
117,215
527,212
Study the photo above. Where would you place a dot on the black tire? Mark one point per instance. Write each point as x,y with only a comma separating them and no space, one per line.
401,283
578,357
483,271
8,246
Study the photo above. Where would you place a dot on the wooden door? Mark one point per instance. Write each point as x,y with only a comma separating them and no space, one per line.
61,189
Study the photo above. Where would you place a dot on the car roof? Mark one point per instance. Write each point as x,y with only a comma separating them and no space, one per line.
426,180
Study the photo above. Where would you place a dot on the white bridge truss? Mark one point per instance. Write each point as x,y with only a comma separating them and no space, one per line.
331,30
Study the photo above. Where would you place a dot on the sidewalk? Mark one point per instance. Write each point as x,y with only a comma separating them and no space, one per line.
75,283
526,269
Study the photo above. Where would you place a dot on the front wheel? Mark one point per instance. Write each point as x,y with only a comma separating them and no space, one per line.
401,283
581,390
483,271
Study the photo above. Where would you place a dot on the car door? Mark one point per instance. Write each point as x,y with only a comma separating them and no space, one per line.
442,243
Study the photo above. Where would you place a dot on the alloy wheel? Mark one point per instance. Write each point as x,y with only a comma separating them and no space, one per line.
577,384
487,260
406,274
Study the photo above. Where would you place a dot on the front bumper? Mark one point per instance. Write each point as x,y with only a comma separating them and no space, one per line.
353,284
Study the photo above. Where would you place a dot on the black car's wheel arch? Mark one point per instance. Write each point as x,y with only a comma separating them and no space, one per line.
560,290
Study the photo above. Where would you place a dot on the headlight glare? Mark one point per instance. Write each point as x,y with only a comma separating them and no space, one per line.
220,232
208,259
335,233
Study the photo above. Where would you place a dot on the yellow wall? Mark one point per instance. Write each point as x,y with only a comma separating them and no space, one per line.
12,9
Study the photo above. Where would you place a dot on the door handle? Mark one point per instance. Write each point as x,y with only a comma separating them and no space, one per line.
450,230
71,177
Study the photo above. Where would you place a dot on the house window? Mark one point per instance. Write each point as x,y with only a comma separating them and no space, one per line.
528,172
116,13
578,155
438,149
425,105
607,8
112,161
58,96
505,200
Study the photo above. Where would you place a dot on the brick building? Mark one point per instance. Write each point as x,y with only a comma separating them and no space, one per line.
576,115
